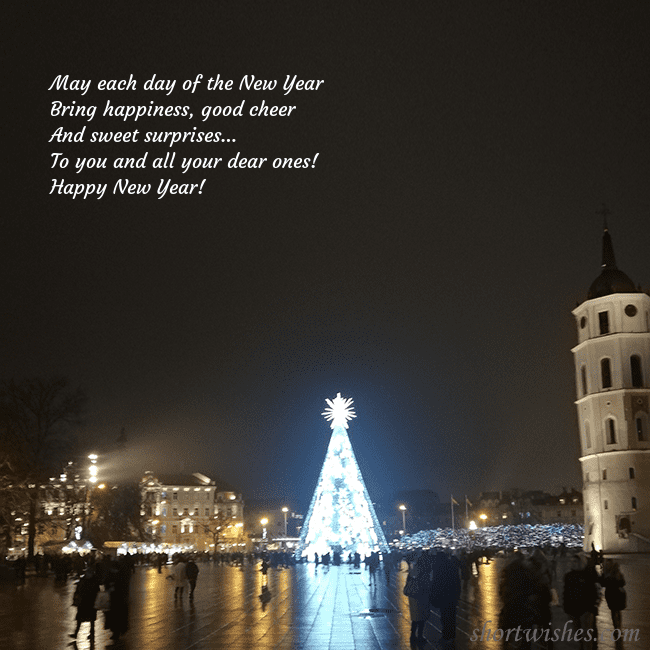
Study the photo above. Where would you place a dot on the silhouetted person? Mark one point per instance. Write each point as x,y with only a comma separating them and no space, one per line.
581,598
615,595
117,617
192,572
445,593
419,588
84,601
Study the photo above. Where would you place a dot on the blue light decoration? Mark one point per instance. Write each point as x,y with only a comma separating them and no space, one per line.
341,517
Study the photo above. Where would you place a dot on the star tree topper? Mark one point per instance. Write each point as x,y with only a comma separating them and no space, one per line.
339,411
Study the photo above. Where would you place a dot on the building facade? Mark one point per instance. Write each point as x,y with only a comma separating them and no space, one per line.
192,512
612,364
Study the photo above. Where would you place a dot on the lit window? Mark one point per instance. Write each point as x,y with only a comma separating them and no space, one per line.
164,511
603,321
606,373
637,373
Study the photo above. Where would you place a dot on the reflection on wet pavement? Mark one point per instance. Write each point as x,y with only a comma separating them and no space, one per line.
303,607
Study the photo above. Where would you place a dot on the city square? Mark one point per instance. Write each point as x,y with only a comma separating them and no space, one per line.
311,608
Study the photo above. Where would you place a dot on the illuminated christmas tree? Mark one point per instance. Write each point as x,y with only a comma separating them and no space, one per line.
341,517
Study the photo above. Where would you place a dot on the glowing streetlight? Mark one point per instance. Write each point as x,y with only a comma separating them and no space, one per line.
483,518
403,509
264,521
285,510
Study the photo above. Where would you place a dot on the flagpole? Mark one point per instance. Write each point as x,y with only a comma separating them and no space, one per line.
452,513
466,513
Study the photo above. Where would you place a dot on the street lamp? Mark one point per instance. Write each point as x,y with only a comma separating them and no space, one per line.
285,510
483,517
403,509
264,521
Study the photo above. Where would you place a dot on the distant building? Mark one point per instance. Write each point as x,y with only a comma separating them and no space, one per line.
612,362
527,507
192,512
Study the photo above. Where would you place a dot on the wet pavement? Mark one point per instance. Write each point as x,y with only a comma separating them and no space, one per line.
310,608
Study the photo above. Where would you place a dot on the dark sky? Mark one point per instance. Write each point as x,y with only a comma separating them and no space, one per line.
426,267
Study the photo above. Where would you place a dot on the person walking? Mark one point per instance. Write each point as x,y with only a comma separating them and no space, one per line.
192,572
84,601
418,588
615,595
118,582
179,573
445,593
581,598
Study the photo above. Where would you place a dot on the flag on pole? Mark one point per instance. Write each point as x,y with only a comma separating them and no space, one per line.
454,501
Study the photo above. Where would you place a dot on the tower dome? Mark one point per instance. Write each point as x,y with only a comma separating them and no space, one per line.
611,279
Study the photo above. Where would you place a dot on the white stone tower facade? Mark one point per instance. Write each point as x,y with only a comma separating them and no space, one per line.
612,361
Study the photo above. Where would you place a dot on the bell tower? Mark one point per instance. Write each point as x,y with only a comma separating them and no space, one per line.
612,362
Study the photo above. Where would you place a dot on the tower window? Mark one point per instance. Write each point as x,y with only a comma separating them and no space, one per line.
631,472
605,504
604,475
603,321
640,434
606,373
633,503
611,431
583,378
637,373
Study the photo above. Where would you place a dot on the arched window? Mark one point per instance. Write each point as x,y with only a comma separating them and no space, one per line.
606,373
610,427
587,434
633,503
583,378
637,372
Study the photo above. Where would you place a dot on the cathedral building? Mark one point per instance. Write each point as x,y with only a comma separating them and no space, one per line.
612,362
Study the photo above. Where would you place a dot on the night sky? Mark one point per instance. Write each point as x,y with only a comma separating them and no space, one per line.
426,267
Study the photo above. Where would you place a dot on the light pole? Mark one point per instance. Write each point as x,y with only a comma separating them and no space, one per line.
403,509
92,470
285,510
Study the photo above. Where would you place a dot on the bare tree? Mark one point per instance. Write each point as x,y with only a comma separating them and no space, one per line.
217,528
36,420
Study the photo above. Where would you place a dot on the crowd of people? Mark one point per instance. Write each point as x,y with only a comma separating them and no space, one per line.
497,537
435,579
